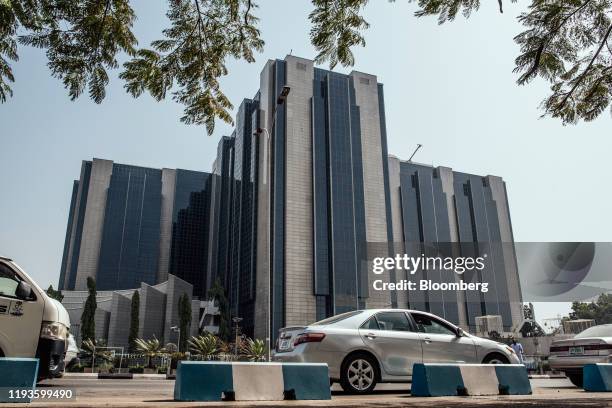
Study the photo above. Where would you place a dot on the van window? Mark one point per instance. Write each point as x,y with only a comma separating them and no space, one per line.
8,281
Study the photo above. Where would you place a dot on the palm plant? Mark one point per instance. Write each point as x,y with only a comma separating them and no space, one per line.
150,348
95,351
254,350
206,345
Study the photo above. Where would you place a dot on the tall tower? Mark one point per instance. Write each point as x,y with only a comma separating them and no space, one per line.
322,192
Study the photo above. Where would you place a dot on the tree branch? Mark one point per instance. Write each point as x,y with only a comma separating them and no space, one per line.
551,34
99,34
583,74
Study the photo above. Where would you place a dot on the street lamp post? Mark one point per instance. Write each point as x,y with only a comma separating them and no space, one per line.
236,320
177,329
279,101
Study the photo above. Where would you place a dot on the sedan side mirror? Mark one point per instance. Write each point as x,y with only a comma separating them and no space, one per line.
460,332
23,291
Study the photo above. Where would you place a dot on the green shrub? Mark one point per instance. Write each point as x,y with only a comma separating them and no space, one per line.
77,368
136,369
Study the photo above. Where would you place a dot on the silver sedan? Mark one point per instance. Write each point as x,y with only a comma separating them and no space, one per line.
365,347
591,346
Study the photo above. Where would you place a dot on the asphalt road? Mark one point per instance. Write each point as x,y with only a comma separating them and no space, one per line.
91,392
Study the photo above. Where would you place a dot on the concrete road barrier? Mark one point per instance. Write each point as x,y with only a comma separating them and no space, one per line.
202,381
306,381
17,377
437,380
215,381
257,381
597,377
512,380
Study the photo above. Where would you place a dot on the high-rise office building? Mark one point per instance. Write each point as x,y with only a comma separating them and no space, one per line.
302,196
243,242
436,209
129,225
321,192
220,215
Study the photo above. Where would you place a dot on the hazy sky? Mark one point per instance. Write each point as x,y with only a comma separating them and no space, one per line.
448,87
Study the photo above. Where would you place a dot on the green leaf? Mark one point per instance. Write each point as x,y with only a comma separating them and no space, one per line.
191,58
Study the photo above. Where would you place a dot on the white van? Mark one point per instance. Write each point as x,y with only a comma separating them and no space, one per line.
31,323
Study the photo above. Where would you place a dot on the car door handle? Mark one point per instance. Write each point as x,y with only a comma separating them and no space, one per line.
371,336
427,340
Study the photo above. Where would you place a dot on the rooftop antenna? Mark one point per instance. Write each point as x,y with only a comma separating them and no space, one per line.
415,151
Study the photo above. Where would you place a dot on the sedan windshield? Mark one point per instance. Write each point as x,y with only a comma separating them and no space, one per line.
604,330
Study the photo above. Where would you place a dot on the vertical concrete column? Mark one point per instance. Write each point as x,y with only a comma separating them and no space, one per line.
397,223
446,175
366,97
498,192
101,171
120,320
175,288
299,296
262,286
151,312
75,224
165,228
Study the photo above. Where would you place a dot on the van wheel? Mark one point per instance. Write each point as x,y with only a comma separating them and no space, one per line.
576,379
358,374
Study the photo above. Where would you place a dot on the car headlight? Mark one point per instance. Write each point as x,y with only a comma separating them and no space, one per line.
53,331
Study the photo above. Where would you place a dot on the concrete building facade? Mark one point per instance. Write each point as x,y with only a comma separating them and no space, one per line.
321,192
300,199
158,312
437,210
130,224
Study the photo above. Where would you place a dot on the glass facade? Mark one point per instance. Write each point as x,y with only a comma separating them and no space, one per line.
190,223
426,224
128,223
477,216
338,203
130,233
428,221
242,267
221,214
213,217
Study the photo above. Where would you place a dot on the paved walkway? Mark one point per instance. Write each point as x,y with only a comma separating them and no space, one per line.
91,392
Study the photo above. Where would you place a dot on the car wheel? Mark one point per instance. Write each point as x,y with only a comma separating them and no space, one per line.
576,379
495,358
359,374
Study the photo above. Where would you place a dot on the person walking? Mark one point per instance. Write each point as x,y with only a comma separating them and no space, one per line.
518,349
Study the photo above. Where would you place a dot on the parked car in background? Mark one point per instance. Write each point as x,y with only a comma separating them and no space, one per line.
366,347
31,323
593,345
